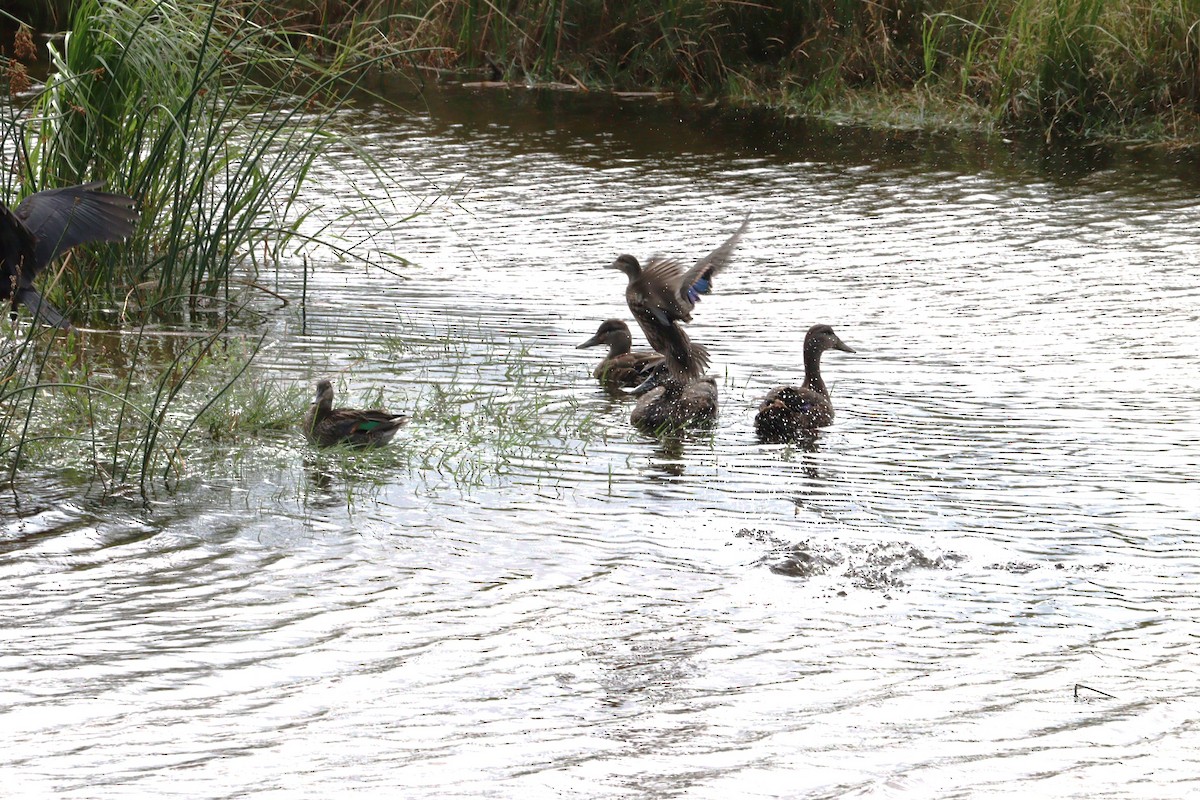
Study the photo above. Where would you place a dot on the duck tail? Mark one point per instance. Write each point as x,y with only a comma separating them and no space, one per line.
41,309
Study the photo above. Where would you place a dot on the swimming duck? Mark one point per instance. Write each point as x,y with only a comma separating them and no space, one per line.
620,367
666,402
326,426
789,411
47,224
662,294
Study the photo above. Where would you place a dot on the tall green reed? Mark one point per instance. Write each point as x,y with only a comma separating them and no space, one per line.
208,117
211,117
1076,67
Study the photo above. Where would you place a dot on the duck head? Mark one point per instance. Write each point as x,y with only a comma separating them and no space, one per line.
612,332
821,338
627,264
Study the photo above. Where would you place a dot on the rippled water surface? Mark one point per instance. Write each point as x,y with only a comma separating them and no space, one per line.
980,582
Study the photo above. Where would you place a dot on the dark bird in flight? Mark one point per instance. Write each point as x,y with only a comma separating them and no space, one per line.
663,293
47,224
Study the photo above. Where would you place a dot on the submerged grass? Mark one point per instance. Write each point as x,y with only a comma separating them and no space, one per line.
104,403
482,408
212,116
484,411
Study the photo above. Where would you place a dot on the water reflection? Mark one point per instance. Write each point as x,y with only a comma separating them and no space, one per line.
803,447
666,459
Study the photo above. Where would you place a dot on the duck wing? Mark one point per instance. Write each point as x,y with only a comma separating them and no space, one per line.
698,279
59,219
17,245
657,290
644,358
373,427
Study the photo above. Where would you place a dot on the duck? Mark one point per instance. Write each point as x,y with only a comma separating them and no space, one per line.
47,224
662,294
788,412
666,402
326,426
622,367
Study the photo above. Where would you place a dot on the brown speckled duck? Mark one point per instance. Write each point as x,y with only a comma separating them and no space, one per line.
662,293
668,403
791,411
326,426
621,367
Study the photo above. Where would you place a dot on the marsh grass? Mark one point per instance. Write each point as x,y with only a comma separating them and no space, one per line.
1086,66
1058,67
482,408
1062,68
250,409
210,118
212,115
146,409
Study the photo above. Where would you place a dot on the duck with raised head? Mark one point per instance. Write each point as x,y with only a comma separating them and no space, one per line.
661,295
326,426
47,224
668,403
791,411
622,367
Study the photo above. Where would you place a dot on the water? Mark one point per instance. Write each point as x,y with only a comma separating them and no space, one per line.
980,582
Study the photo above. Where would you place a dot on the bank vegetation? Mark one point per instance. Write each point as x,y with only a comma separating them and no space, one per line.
1124,69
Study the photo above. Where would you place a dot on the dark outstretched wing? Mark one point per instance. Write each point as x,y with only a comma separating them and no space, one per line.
698,279
61,218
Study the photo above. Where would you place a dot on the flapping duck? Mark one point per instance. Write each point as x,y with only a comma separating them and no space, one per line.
661,295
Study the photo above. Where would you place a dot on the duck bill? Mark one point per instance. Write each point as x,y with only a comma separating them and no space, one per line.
845,348
592,342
